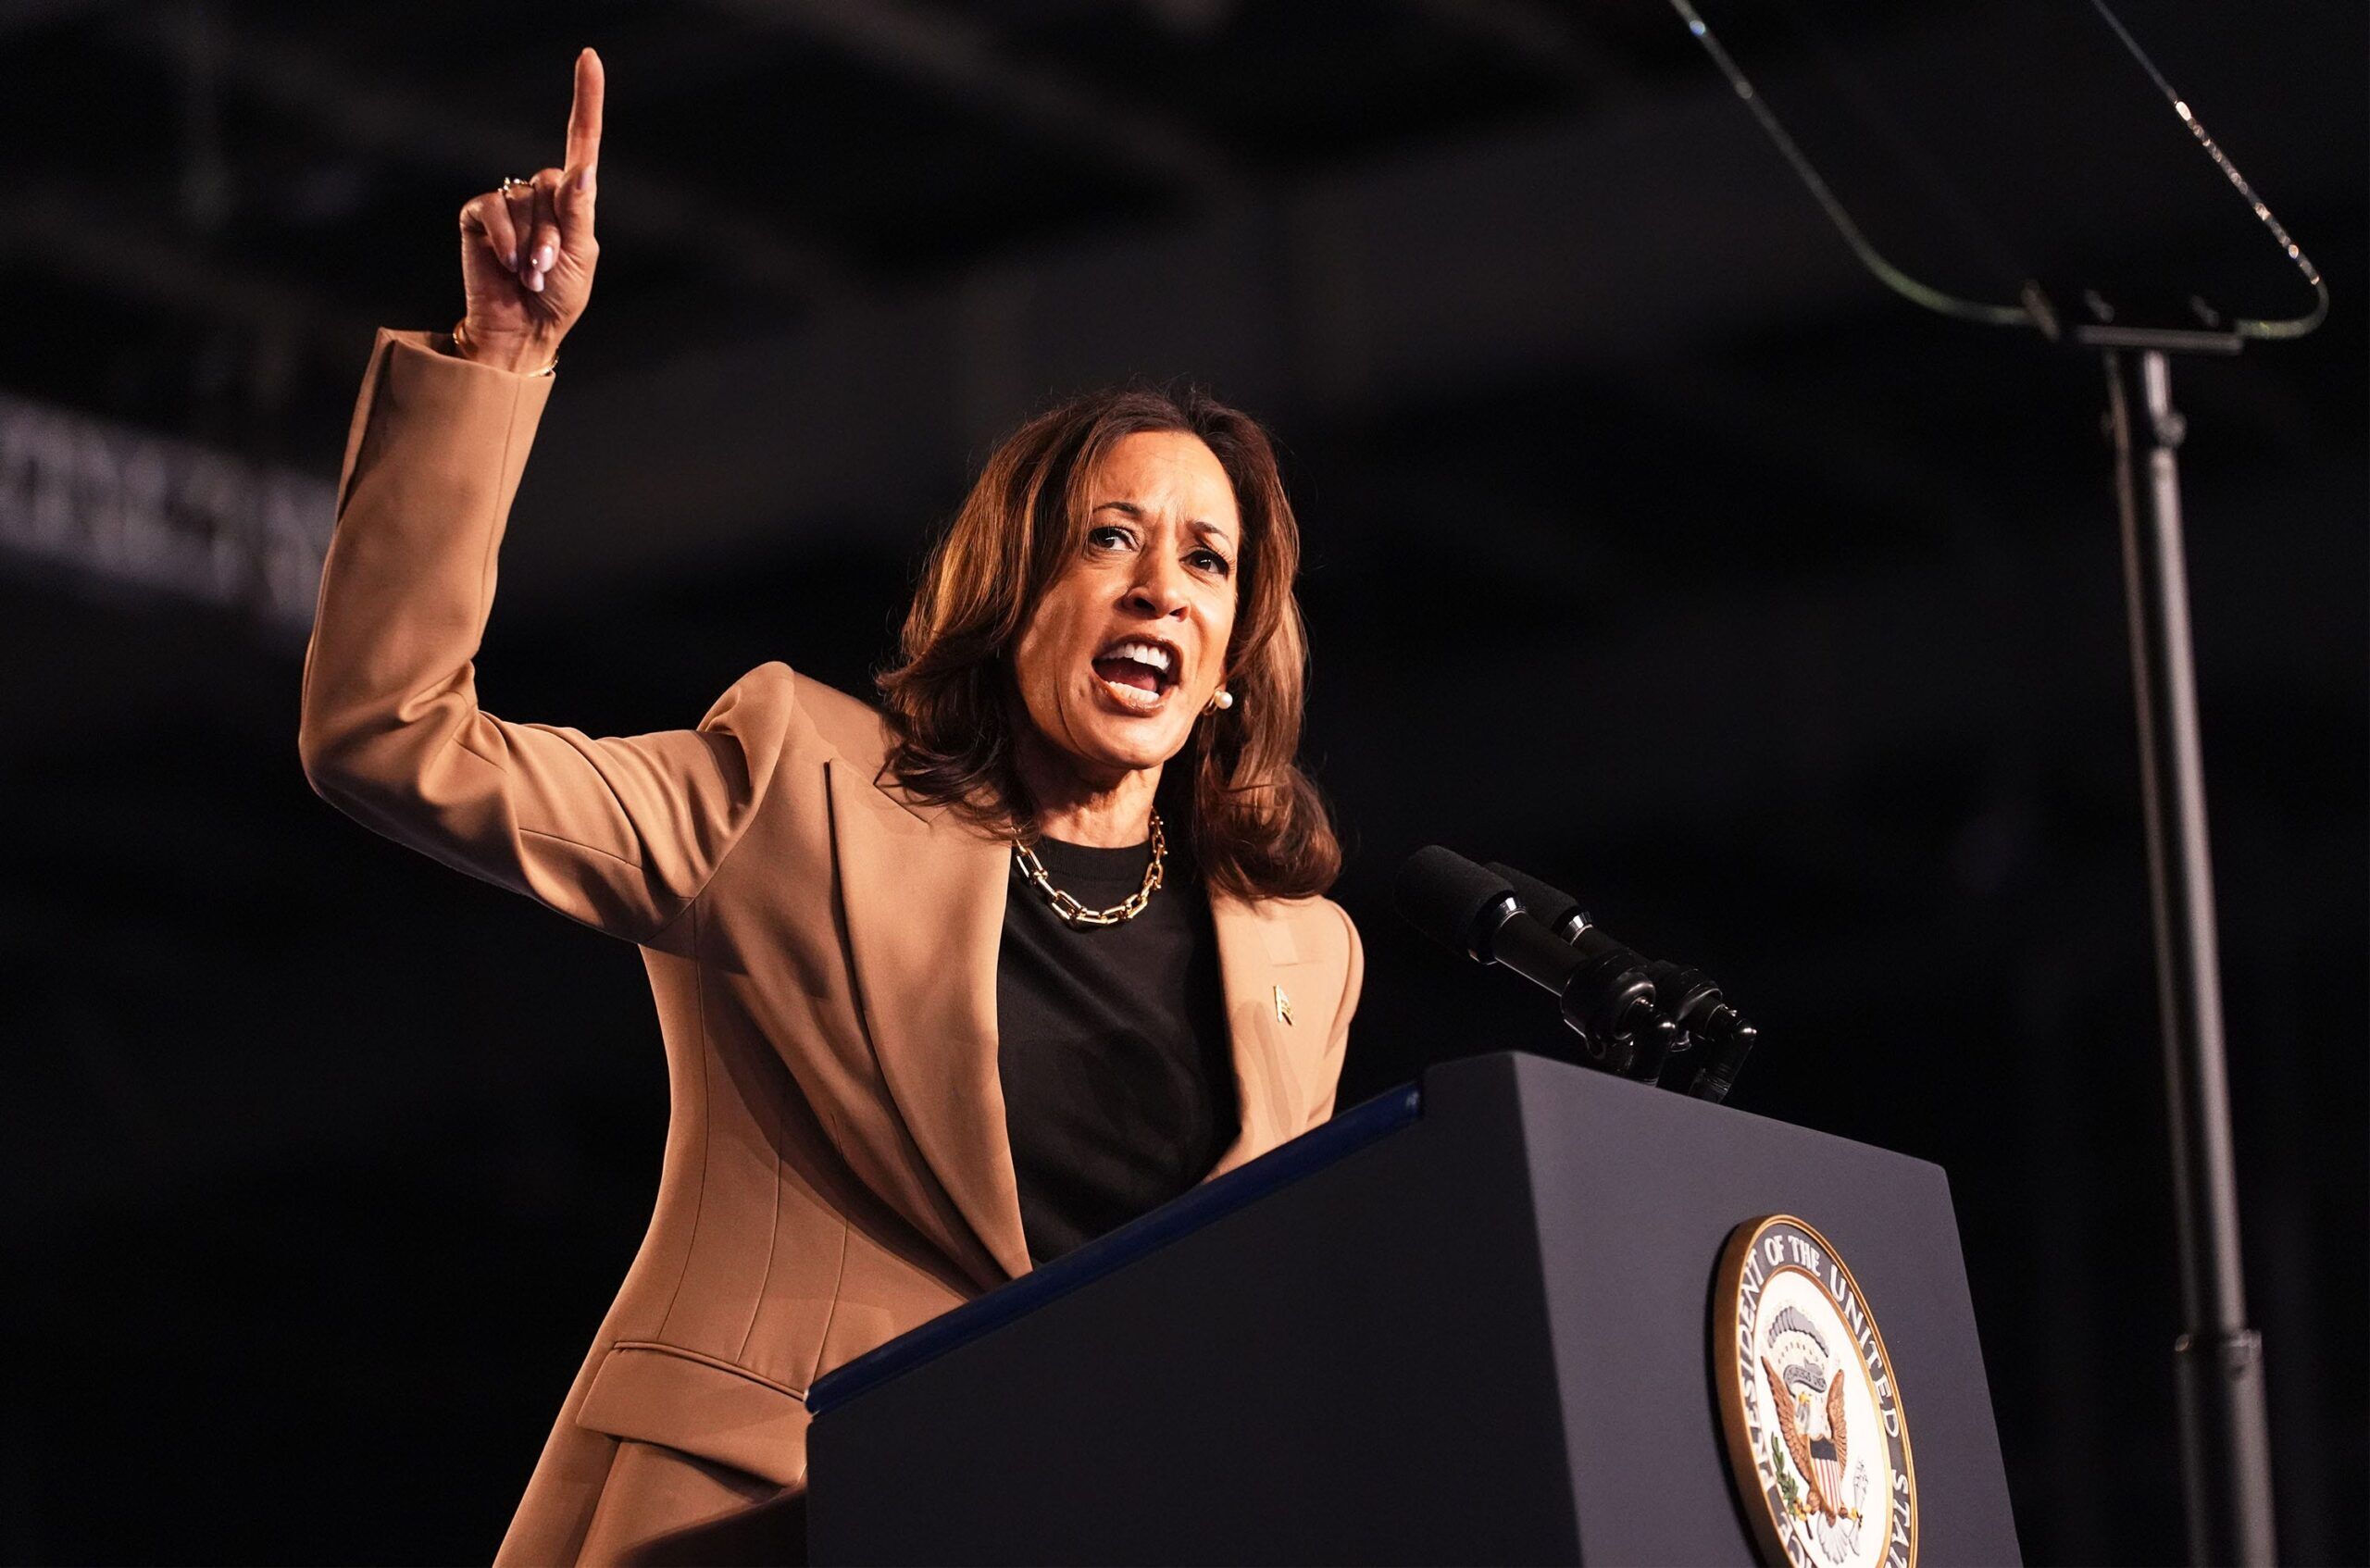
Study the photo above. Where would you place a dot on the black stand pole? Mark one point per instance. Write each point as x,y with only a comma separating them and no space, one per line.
2226,1454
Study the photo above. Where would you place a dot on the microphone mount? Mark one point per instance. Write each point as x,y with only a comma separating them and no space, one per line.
1605,998
1692,1009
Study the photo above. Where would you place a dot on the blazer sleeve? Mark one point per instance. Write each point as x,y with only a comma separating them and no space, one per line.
1337,1043
620,833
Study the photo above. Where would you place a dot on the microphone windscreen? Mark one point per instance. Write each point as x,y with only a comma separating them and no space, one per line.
1549,906
1444,895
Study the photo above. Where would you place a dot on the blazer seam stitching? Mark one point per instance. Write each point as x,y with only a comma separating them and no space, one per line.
707,1129
840,1275
773,1240
587,849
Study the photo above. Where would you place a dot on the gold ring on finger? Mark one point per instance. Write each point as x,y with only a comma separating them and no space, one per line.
515,183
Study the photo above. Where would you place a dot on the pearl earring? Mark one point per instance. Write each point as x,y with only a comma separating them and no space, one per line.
1221,702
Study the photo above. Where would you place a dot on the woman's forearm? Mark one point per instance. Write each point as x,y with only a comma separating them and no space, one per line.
432,464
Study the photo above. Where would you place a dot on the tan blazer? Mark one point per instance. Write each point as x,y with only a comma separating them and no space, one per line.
821,948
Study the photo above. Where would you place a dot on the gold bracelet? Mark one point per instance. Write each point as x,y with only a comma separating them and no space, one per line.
461,346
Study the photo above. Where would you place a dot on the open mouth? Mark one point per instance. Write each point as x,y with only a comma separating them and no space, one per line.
1138,671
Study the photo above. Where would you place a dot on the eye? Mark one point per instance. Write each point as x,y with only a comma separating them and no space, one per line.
1118,537
1212,562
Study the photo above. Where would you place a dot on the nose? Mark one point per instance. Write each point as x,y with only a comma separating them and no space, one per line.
1159,587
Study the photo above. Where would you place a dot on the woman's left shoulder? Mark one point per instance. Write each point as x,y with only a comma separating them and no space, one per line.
1316,928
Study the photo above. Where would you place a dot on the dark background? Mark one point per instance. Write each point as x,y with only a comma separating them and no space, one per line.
1651,545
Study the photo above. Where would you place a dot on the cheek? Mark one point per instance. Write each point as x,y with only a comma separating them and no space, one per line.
1041,658
1056,640
1031,664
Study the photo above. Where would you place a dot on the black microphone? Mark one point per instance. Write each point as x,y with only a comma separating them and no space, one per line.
1562,914
1686,997
1468,910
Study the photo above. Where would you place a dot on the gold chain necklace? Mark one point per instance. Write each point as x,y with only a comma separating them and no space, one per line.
1077,914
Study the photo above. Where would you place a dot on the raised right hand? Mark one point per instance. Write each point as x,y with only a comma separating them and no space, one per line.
528,250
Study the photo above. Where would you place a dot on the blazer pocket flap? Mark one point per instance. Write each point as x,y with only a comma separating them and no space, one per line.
655,1393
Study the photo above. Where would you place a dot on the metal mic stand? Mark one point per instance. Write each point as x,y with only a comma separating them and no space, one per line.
2226,1452
2226,1449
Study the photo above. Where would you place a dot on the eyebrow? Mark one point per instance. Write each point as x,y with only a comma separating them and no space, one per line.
1206,528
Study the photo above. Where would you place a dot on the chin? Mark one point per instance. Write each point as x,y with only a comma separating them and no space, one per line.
1129,744
1121,740
1136,753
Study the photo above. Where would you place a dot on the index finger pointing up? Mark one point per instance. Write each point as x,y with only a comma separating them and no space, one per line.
584,114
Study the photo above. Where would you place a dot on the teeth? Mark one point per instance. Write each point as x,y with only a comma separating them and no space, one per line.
1143,653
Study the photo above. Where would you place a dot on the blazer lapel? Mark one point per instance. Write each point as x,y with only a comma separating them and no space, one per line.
923,895
1250,965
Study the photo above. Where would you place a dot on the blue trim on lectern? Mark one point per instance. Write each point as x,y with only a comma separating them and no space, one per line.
1280,1166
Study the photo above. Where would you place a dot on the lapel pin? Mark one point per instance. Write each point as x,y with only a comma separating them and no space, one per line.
1283,1006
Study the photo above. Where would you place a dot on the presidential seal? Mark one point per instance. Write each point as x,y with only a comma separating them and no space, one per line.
1817,1439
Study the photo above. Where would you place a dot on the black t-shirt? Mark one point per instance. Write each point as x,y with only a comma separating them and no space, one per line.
1118,1079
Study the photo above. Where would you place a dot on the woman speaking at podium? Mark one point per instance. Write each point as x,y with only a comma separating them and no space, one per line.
947,986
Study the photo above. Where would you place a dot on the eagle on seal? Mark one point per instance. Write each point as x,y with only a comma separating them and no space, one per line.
1820,1449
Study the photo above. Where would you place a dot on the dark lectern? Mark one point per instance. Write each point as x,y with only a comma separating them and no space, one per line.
1467,1322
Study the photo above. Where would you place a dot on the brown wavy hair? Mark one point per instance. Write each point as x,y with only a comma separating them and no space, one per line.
1258,826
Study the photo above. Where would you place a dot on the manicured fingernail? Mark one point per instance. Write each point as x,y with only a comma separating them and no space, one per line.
535,282
510,258
584,180
546,257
